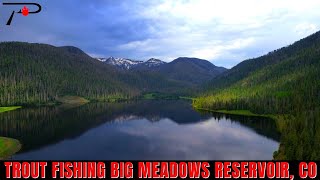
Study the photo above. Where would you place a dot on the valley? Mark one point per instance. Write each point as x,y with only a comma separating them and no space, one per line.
58,82
143,129
38,74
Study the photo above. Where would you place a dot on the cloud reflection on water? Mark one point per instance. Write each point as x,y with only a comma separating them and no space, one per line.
138,138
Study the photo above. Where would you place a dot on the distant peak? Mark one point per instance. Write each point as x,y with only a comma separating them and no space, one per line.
190,58
200,62
154,60
125,63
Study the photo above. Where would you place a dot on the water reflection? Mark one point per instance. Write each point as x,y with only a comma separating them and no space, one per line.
137,130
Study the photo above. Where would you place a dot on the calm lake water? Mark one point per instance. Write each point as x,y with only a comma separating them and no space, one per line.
143,130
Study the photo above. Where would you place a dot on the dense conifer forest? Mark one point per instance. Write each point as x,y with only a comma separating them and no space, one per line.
284,84
35,74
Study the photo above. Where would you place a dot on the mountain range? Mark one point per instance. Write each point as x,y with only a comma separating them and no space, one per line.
192,71
127,64
39,73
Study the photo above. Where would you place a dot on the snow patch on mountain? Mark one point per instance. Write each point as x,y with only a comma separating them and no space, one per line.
154,62
124,63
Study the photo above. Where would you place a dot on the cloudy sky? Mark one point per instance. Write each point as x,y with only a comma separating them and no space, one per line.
222,31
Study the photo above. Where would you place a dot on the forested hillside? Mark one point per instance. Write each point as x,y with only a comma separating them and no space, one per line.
191,72
39,73
284,83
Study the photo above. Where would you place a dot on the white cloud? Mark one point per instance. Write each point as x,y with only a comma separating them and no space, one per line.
223,29
306,28
216,51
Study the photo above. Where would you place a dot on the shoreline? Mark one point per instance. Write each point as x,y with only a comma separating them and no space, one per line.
278,154
9,147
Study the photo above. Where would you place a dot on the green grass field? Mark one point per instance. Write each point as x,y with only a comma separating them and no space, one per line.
5,109
8,147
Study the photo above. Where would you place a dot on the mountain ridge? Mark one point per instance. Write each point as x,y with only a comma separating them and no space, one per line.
185,70
36,74
244,68
192,70
127,64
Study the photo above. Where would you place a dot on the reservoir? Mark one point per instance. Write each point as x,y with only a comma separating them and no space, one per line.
138,130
